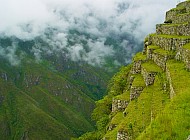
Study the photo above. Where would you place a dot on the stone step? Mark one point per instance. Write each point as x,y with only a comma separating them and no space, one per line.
178,77
168,42
137,87
185,55
181,18
149,71
171,14
120,102
173,29
185,4
181,8
138,59
159,56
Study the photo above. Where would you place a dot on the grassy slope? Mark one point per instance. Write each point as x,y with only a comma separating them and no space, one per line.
52,108
173,122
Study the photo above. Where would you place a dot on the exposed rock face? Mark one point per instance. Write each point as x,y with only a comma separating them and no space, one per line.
119,105
123,135
135,92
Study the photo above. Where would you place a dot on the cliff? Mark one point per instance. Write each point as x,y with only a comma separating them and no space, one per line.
149,99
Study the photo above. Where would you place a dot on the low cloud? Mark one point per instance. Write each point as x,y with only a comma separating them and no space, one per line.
84,28
9,53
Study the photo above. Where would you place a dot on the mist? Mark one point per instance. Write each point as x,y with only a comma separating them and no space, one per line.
88,30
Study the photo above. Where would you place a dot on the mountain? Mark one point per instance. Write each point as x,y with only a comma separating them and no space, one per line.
47,98
149,99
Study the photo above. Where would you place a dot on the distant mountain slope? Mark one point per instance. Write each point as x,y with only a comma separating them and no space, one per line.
149,99
47,99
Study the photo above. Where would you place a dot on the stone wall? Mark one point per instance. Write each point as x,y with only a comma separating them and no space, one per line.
170,44
182,18
149,77
136,67
130,82
123,135
160,60
163,42
182,29
171,14
119,105
186,57
185,4
135,92
149,53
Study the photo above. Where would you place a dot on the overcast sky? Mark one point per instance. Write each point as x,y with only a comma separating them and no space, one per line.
27,19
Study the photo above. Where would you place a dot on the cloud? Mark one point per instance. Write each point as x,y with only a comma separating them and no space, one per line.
91,21
9,53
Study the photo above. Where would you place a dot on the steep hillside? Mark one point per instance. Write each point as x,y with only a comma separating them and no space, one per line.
149,99
47,99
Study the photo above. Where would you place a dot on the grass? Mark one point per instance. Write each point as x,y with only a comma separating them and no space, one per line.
153,47
187,46
140,111
125,96
173,121
117,118
165,52
139,56
171,36
173,25
138,81
182,9
179,75
55,108
150,66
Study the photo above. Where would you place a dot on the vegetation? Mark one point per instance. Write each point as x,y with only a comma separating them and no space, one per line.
49,99
162,109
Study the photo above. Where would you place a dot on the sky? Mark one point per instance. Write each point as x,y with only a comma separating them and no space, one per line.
28,19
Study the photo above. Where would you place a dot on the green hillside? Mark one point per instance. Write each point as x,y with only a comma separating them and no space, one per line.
47,99
149,99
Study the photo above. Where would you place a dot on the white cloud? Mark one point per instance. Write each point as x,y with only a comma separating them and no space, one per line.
27,19
9,53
